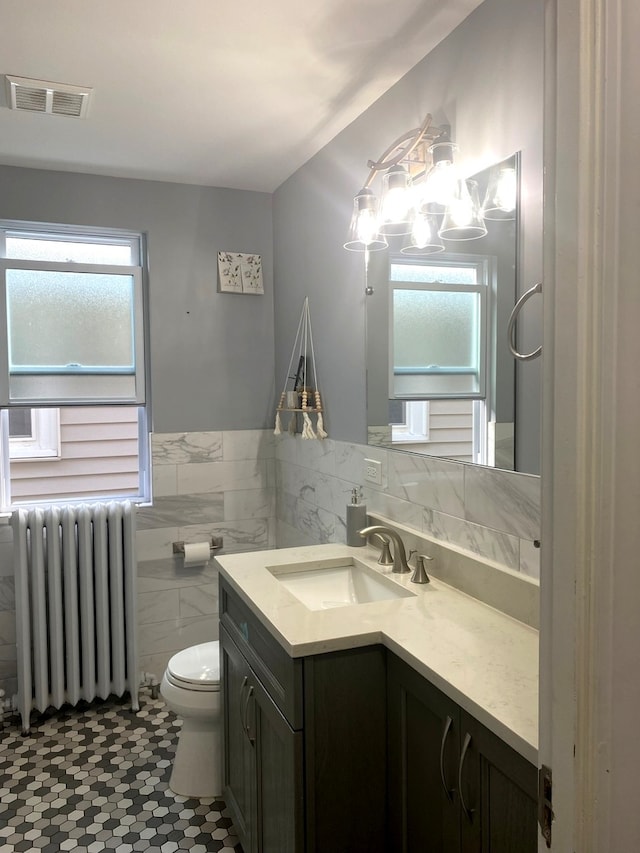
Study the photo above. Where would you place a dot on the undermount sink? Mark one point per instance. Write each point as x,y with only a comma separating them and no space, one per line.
336,583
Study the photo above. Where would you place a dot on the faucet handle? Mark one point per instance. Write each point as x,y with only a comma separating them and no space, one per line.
420,574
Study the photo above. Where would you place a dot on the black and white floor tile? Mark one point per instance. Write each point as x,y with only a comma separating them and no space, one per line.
97,780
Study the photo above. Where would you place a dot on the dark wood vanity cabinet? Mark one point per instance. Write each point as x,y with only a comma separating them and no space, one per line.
355,751
421,764
304,741
262,763
504,788
453,786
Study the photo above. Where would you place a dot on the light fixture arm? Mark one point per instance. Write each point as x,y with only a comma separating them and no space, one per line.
413,138
420,182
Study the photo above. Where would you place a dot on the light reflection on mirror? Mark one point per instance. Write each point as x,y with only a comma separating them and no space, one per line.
440,378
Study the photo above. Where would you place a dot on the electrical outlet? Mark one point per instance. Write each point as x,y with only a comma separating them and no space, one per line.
373,471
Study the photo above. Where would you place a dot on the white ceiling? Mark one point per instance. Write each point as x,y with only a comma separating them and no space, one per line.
212,92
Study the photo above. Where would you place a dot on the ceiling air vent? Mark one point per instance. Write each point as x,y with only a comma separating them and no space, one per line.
42,96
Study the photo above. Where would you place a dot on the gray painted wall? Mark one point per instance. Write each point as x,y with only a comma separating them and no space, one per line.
486,80
212,354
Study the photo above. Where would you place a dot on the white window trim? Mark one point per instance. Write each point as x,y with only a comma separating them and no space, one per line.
480,433
416,427
44,442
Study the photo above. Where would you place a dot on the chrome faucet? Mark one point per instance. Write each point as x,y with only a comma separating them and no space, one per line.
399,554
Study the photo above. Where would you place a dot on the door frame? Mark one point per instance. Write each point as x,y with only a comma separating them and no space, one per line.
590,584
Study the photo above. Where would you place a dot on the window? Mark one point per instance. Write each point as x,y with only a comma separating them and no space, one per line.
34,433
74,328
72,364
409,420
438,330
439,344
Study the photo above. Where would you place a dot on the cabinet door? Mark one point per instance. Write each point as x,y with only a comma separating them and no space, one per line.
499,794
345,751
239,766
279,766
423,742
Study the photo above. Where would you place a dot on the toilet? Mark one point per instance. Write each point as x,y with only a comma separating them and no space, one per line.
191,689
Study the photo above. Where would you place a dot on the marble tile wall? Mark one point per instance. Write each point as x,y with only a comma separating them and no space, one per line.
257,490
204,484
492,514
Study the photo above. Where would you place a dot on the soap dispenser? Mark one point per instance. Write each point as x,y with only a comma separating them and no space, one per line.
356,520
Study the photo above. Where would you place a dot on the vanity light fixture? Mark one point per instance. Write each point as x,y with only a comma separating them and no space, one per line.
424,199
367,232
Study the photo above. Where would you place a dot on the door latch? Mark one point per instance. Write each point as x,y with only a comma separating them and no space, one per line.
545,810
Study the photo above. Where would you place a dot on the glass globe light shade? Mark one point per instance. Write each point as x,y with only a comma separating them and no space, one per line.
463,218
396,204
440,184
363,231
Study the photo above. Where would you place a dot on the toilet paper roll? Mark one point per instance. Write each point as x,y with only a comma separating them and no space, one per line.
196,553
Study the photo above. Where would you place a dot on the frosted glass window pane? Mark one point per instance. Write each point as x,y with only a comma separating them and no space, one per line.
65,251
62,319
430,273
435,329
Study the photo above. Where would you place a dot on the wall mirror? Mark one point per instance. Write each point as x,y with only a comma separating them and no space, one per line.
440,378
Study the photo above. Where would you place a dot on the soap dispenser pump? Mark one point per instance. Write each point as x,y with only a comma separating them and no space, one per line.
356,520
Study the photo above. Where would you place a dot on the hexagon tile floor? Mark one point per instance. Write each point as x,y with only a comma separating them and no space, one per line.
97,780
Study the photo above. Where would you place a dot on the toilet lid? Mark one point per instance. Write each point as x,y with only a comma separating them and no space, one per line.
197,665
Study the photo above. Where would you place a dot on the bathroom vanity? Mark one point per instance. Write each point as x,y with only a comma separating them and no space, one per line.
400,723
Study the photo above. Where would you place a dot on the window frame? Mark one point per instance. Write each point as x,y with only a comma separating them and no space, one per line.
415,427
69,234
482,264
44,442
136,241
25,388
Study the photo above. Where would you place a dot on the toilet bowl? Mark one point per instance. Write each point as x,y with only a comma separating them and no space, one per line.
191,689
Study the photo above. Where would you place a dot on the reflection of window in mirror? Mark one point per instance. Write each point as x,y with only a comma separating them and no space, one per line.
34,433
438,353
409,421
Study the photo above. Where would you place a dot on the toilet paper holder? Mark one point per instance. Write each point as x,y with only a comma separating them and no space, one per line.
215,543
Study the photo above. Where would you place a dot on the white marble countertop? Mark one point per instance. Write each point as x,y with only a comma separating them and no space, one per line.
485,661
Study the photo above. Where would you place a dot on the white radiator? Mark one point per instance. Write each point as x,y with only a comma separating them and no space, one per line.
76,625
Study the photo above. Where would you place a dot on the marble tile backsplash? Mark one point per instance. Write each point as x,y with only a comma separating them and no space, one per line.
257,490
492,514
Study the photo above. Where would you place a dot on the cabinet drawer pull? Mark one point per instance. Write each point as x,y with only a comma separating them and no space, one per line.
445,734
468,813
252,740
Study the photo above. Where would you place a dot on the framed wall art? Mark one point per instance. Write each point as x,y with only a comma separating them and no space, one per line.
239,272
